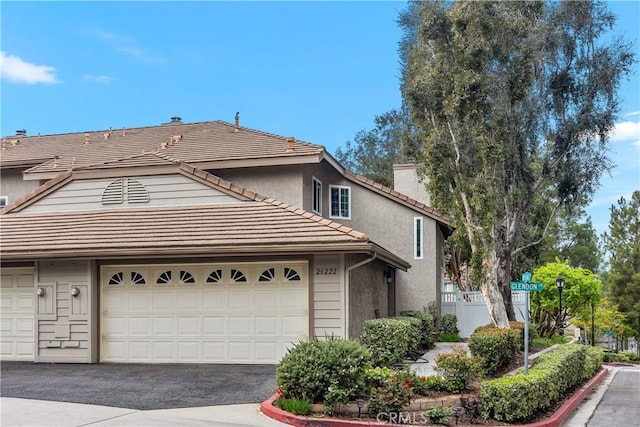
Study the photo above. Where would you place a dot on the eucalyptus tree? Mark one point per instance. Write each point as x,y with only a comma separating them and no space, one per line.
394,139
514,102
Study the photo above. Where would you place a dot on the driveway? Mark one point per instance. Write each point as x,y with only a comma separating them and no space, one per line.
137,386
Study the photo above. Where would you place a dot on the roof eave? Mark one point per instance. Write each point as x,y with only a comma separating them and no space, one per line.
172,252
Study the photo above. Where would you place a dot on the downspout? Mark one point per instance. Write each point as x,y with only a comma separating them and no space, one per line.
347,282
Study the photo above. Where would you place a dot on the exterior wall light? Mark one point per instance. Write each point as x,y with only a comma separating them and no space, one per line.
388,276
40,292
75,292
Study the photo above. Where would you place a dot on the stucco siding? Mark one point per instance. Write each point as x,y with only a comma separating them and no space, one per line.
63,321
13,186
391,225
279,183
368,295
162,190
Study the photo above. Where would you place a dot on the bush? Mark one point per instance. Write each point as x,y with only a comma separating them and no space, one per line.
496,347
439,414
520,397
427,327
449,324
309,369
375,377
295,406
457,369
392,396
389,339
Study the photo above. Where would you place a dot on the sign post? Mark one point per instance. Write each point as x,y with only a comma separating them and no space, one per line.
526,286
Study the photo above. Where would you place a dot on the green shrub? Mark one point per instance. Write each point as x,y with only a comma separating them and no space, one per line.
439,414
295,406
630,356
389,339
375,377
520,397
392,396
427,327
449,337
458,369
449,324
430,383
311,367
497,347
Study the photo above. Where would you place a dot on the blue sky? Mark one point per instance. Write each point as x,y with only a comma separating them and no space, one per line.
318,71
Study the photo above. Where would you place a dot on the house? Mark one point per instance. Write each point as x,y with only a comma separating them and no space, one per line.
200,243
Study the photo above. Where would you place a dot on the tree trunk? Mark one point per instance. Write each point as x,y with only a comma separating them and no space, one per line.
493,295
504,283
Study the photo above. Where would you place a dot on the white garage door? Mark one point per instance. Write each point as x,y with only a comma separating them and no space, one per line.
214,313
16,314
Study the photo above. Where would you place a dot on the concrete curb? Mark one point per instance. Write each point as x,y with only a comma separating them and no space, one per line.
270,410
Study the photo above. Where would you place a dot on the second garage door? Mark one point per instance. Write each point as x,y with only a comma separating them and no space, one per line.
203,313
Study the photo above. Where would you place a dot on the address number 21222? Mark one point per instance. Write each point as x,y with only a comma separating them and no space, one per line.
323,271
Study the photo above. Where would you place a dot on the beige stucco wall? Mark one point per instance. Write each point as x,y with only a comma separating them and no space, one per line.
280,183
12,185
406,181
368,294
390,225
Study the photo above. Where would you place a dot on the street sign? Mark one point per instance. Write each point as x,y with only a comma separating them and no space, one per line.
527,287
526,277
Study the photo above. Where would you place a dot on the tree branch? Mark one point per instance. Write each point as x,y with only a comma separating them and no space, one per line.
544,232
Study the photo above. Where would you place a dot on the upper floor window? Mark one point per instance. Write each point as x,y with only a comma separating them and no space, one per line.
340,201
316,203
418,245
4,201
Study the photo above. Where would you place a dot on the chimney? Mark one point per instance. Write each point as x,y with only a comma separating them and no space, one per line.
407,181
176,120
86,138
237,120
290,141
21,132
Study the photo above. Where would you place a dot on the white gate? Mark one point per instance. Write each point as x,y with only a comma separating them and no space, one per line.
472,312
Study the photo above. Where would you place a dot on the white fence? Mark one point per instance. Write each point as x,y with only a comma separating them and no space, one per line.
472,312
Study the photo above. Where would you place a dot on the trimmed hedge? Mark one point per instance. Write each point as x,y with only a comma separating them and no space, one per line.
427,327
389,339
517,398
497,347
318,369
449,324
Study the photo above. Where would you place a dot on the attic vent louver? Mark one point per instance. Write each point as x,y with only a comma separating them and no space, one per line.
125,189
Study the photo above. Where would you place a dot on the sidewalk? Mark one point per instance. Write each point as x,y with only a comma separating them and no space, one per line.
16,412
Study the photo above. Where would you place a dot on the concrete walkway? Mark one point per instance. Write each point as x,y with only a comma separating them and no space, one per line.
38,413
425,366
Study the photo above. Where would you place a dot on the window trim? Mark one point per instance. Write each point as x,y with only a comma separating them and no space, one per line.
418,237
5,202
316,195
340,214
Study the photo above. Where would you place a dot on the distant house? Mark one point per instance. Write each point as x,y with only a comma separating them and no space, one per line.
200,243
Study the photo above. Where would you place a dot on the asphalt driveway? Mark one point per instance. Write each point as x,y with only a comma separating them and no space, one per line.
138,386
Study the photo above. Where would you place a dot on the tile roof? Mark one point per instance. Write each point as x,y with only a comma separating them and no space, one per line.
190,142
250,227
173,142
255,224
